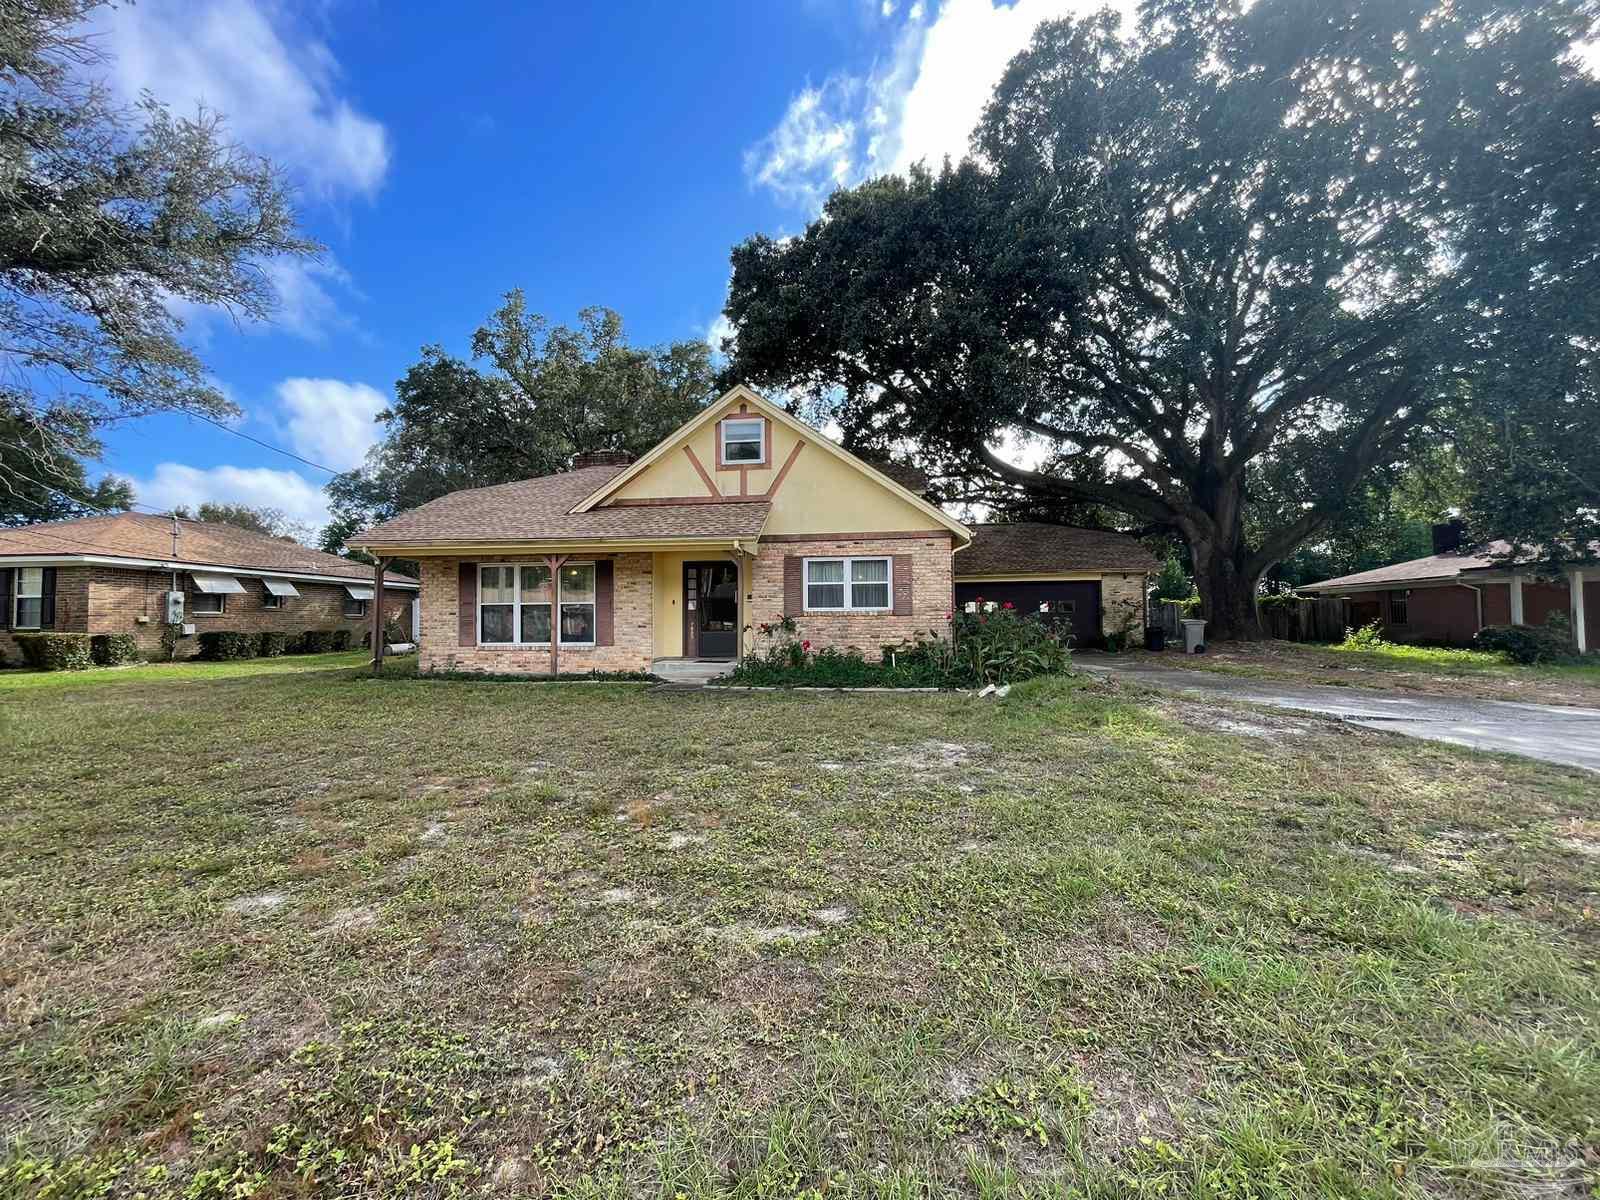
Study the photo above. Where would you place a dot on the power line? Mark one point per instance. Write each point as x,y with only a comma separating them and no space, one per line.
268,445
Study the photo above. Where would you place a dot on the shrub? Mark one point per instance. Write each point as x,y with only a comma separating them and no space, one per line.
1002,646
224,645
1173,583
340,639
1526,644
113,649
56,651
1368,637
314,641
271,645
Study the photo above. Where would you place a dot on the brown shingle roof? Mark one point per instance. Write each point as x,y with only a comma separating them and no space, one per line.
533,510
1434,566
138,536
1025,547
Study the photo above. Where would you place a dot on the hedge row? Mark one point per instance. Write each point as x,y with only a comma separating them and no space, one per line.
56,651
224,645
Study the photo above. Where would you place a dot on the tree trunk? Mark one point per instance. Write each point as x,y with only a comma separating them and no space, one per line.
1227,592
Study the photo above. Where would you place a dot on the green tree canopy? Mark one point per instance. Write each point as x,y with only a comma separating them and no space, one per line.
273,522
1222,272
42,478
536,395
108,216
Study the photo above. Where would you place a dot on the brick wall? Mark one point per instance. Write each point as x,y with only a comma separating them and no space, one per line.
72,610
1122,606
632,581
931,593
116,599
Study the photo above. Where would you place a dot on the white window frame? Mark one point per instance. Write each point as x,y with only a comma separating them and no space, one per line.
222,604
270,600
516,604
18,596
849,584
722,442
361,609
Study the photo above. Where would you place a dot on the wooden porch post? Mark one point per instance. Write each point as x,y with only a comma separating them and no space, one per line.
378,569
556,562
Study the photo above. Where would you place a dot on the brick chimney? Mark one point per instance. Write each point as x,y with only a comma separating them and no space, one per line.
1447,538
601,458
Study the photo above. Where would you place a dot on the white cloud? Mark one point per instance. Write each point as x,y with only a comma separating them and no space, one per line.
277,87
920,103
719,329
329,421
175,485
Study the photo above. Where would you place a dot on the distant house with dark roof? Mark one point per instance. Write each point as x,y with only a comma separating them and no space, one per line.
741,515
114,574
1449,595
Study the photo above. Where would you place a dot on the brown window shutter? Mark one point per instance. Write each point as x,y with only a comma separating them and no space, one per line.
8,590
467,605
47,601
902,585
793,592
605,590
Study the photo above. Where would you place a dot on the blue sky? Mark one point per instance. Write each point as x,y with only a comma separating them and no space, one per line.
590,154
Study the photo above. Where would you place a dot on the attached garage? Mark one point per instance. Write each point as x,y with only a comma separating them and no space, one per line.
1095,578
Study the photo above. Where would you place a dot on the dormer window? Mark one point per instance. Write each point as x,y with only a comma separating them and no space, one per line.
744,441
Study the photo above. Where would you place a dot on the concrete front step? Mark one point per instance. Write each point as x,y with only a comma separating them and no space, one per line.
688,671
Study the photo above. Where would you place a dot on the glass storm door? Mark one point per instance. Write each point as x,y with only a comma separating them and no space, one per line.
711,610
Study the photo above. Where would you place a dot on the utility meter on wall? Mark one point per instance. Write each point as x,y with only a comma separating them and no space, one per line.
174,608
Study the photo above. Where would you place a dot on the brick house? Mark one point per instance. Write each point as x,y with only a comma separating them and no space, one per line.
1449,595
112,574
740,515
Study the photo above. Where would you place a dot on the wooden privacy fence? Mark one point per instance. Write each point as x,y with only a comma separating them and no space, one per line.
1303,619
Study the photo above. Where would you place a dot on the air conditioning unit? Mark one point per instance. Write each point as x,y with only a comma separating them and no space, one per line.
174,608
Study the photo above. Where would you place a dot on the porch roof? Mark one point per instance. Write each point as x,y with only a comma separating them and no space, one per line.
537,512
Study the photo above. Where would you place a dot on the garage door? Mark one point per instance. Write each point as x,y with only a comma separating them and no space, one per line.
1081,600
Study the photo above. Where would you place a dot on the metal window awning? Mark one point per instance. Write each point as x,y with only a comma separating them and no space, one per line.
217,585
280,587
356,592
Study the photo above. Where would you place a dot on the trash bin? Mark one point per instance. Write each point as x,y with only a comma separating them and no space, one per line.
1155,637
1194,637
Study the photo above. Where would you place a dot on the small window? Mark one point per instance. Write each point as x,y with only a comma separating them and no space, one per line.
744,441
354,607
1399,608
268,600
30,598
207,604
848,585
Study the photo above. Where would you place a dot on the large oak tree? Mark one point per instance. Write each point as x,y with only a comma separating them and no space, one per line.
1221,273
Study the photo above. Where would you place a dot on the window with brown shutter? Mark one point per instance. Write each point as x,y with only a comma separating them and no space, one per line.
467,605
793,577
605,617
902,585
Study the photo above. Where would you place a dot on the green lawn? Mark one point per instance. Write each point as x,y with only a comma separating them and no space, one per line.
274,930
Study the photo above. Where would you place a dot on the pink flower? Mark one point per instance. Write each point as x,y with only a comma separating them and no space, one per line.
1008,605
805,645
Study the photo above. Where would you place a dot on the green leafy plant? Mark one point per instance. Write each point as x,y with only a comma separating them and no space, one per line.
314,641
171,637
225,645
1368,637
113,649
270,644
1529,644
339,639
56,651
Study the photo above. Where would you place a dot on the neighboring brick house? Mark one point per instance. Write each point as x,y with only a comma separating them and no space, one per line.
112,574
741,515
1449,595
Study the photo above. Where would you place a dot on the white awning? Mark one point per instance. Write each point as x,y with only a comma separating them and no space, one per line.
280,587
217,585
358,593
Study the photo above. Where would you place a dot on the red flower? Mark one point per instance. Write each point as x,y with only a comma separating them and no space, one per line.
1008,604
948,615
805,645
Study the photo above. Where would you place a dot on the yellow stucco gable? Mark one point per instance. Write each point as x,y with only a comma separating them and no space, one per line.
814,486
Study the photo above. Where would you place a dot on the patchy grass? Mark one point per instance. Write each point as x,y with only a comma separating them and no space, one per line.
1429,669
279,932
22,679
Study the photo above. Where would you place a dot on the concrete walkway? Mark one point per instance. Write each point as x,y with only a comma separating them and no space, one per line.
1555,734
